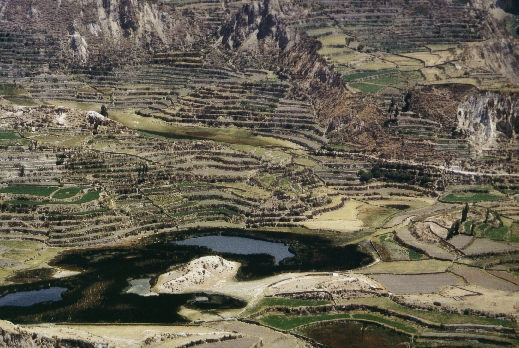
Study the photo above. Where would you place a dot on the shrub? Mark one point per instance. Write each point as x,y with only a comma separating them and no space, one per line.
104,111
375,172
364,176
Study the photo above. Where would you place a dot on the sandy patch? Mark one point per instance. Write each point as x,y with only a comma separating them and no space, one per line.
323,282
456,292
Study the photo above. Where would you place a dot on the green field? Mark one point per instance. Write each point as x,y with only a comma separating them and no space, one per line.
232,135
288,323
43,191
415,255
65,193
286,302
464,198
8,135
363,74
498,233
385,321
366,87
21,100
291,322
87,197
10,89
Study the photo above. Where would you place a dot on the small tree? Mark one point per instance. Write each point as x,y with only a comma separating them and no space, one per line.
375,172
464,212
104,111
455,229
364,176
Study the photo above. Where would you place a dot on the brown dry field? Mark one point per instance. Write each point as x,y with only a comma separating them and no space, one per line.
484,279
416,283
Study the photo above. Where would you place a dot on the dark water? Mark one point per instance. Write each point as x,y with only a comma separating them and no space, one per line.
29,298
354,334
240,246
99,294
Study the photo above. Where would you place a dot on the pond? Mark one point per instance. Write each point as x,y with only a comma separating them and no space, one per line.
114,283
240,246
29,298
354,334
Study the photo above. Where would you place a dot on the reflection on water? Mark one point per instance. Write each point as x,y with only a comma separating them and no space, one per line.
141,287
29,298
240,246
100,292
354,334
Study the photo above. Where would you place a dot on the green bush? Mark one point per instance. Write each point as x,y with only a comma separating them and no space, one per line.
364,176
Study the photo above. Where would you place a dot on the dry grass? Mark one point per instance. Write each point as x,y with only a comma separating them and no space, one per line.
376,64
25,255
483,279
431,59
334,39
483,246
409,267
344,219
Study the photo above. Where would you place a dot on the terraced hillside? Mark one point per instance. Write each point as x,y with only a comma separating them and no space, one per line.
378,130
385,48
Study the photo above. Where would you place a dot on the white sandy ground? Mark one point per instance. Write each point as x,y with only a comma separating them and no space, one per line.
194,277
215,274
154,336
205,272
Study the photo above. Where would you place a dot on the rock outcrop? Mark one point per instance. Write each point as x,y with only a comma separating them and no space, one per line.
205,272
488,118
12,336
90,31
259,30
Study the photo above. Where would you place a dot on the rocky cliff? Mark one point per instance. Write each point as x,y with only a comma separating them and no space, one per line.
499,51
121,30
260,31
489,118
12,336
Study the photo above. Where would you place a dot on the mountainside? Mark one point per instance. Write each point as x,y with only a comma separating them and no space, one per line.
259,173
362,81
490,118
